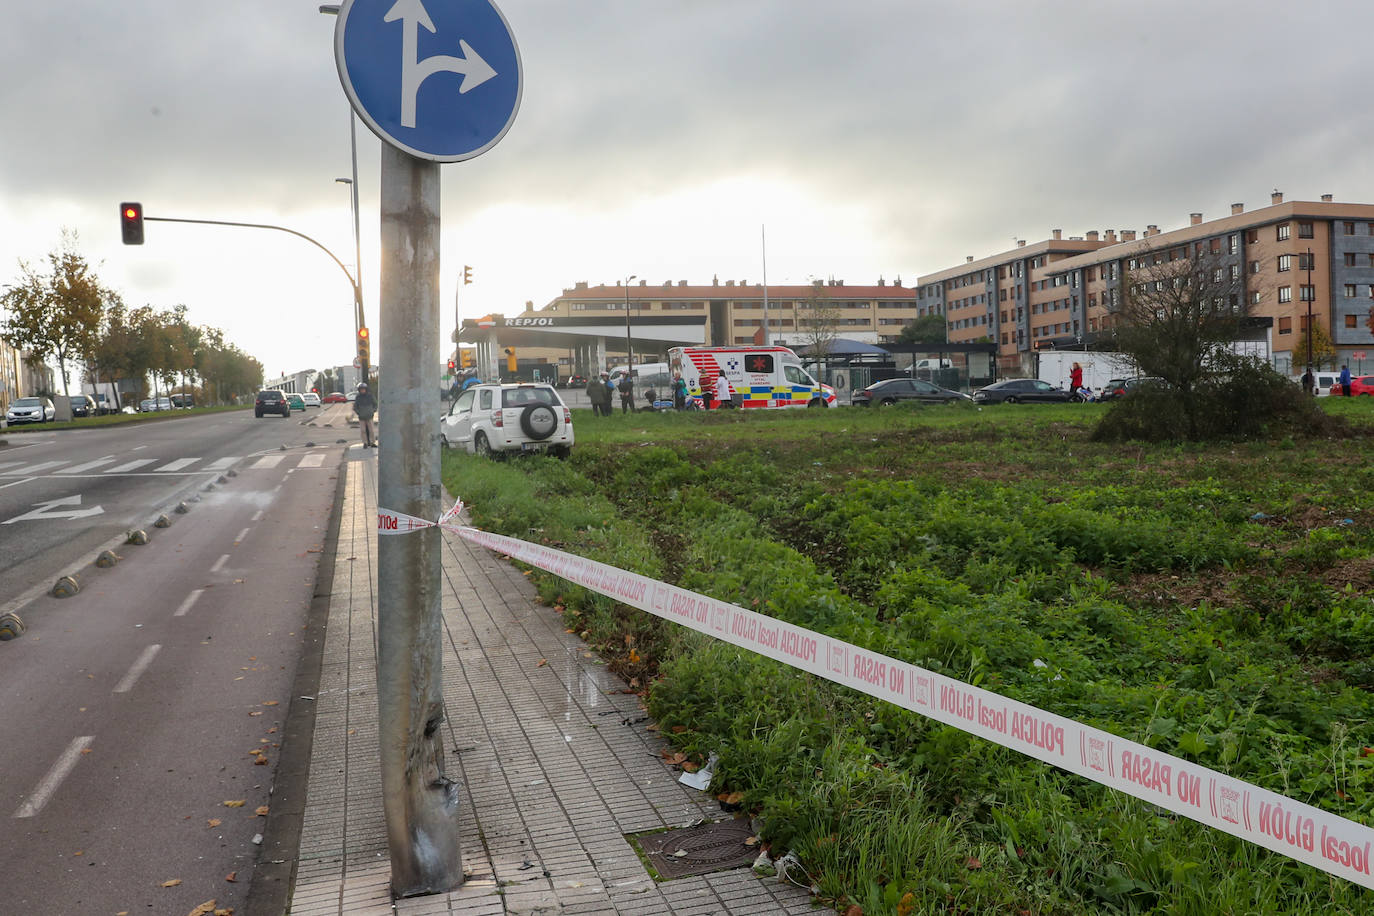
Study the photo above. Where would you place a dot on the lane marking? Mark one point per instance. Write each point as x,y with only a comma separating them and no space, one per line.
223,463
242,534
267,462
140,665
15,482
178,464
41,466
219,563
190,600
131,465
257,516
312,460
48,785
77,469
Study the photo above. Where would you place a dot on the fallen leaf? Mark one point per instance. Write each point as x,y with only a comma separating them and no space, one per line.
256,712
261,810
213,822
906,904
854,910
261,762
78,853
235,804
733,798
173,883
973,863
232,877
752,841
205,909
269,703
542,663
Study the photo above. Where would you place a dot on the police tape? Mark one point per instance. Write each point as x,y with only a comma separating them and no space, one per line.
1331,843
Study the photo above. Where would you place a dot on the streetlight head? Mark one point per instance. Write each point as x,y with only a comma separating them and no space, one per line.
344,180
329,9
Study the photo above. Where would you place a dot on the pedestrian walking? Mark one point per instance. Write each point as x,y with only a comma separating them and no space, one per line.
724,396
1075,378
1309,382
365,406
627,393
596,393
1345,380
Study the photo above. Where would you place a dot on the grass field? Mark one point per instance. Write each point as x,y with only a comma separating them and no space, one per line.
1209,601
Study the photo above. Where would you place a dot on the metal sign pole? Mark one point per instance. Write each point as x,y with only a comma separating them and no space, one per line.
420,801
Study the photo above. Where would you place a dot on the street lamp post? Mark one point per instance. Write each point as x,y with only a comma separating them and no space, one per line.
629,351
360,319
1309,295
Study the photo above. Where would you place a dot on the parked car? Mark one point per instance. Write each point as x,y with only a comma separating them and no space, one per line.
575,381
30,410
335,397
311,398
1022,391
891,390
181,401
1360,385
1120,387
295,400
148,405
83,405
271,400
495,420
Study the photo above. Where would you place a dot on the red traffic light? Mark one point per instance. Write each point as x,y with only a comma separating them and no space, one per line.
131,223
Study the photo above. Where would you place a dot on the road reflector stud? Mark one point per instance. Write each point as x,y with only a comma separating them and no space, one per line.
182,508
137,536
222,479
65,587
233,473
162,522
107,559
11,627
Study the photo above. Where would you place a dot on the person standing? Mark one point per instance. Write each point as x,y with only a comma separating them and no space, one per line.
1075,378
679,392
1309,382
1345,380
724,396
627,393
596,390
365,406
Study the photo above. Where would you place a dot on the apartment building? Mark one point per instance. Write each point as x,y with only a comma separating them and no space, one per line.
1285,258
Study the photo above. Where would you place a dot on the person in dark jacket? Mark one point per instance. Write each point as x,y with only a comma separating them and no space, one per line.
365,406
627,393
598,395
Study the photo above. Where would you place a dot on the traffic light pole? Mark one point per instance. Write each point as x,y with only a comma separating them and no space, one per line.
420,802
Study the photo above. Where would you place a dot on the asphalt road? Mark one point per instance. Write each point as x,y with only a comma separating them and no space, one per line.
140,719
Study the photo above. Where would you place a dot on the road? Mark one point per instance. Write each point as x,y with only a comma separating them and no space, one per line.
140,719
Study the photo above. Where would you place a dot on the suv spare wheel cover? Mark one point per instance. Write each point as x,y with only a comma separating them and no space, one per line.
538,421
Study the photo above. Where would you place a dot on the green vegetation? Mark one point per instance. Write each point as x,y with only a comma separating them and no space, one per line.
1207,600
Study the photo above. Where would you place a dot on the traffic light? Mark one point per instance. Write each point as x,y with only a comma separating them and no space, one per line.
510,359
467,358
131,223
451,366
467,275
364,348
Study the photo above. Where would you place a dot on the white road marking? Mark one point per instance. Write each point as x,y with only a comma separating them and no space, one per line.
140,665
14,482
190,600
267,461
77,469
41,466
257,516
223,463
131,465
178,464
219,563
312,460
54,777
242,534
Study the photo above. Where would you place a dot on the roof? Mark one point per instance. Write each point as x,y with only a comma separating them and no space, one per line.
843,346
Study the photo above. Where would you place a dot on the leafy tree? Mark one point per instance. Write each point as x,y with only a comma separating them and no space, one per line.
928,329
1323,352
56,314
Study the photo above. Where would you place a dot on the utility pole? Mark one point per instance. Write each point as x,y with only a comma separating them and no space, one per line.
420,801
1309,293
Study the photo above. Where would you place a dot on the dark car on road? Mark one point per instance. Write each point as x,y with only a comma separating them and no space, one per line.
83,405
893,390
1022,391
271,400
1120,387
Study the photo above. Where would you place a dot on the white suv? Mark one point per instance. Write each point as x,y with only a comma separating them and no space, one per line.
496,419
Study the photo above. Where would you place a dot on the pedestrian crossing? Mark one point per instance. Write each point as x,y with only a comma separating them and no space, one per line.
114,465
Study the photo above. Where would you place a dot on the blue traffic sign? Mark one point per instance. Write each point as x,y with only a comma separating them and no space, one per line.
439,79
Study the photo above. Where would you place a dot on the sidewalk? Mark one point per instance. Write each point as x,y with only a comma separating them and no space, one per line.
555,767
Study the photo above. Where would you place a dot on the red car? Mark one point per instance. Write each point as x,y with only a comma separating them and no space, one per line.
335,397
1359,385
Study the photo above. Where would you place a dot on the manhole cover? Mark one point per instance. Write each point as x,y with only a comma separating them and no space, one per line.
697,850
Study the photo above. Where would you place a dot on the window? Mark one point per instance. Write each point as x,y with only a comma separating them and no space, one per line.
1349,227
1285,262
1285,294
1254,267
1309,293
1252,237
1234,241
1305,261
759,362
1285,325
1350,290
1350,321
1304,230
1235,271
1282,231
1350,259
1215,245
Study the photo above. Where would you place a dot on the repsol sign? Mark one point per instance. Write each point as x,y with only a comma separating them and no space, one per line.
530,322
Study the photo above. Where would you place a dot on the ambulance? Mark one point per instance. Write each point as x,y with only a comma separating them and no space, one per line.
769,377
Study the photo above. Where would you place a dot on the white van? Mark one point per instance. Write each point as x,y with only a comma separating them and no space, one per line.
763,377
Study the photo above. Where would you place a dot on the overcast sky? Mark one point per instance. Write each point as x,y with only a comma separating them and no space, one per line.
872,138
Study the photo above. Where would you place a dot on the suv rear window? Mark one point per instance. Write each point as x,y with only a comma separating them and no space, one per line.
519,397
